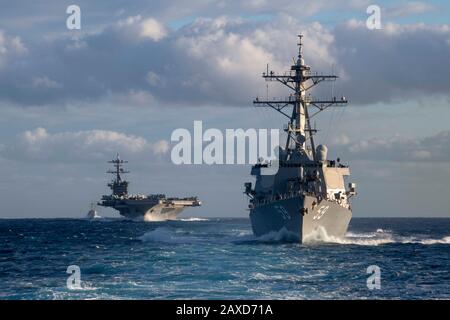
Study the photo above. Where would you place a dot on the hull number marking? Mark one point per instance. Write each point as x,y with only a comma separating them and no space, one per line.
322,210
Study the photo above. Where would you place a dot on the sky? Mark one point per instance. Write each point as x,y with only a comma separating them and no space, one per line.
138,70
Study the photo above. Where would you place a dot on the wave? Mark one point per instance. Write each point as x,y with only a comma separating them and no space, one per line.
380,237
193,219
320,236
376,238
161,234
444,240
282,235
166,235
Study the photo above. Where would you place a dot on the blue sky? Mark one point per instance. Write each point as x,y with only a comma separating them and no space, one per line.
69,99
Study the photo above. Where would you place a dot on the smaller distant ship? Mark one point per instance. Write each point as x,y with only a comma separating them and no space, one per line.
153,207
92,214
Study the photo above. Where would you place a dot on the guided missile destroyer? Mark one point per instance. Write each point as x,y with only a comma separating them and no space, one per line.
301,193
154,207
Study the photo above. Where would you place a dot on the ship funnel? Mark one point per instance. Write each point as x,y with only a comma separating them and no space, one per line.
321,153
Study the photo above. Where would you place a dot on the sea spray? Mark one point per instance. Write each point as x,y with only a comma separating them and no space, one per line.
380,237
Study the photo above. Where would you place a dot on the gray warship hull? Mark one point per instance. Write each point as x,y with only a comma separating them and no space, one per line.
300,194
148,212
326,219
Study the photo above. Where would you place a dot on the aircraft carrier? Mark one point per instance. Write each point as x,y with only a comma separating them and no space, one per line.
154,207
305,194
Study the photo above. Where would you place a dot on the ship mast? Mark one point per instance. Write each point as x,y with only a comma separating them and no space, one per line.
300,79
118,186
118,168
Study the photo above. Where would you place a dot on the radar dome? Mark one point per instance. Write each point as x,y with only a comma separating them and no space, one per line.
321,152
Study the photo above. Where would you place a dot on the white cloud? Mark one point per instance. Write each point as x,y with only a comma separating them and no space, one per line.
45,82
10,47
40,145
410,8
302,8
11,44
152,29
161,147
422,155
131,20
153,79
219,61
148,28
222,55
434,148
396,63
340,139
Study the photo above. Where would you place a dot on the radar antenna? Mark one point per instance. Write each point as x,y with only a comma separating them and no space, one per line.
300,79
118,185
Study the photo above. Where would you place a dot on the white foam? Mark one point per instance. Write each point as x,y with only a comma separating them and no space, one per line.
193,219
279,236
161,234
379,237
367,235
444,240
265,277
320,235
283,235
243,233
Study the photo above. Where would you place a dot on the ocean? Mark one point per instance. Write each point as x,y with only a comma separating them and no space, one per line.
219,258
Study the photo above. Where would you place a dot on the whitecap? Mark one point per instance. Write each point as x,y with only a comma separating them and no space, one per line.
444,240
165,235
193,219
369,238
282,235
321,235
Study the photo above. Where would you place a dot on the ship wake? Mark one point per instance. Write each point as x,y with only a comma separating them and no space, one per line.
193,219
379,237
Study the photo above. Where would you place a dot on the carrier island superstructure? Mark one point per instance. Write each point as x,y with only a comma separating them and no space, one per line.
307,194
154,207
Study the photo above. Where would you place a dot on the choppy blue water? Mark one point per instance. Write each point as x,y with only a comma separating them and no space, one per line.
220,259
